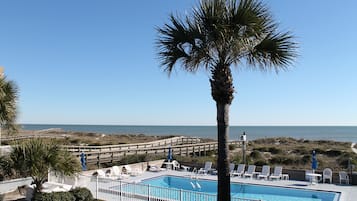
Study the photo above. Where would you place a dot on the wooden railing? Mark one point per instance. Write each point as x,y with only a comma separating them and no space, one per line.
106,155
159,143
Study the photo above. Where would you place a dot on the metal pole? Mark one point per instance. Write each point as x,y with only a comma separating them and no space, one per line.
244,139
96,187
121,192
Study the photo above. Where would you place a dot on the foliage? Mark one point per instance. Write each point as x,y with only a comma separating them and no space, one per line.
260,163
255,154
8,108
82,194
55,196
35,158
217,35
5,167
77,194
232,147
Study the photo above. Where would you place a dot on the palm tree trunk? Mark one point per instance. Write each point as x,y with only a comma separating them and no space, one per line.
223,154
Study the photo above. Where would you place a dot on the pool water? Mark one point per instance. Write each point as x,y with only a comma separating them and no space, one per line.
259,192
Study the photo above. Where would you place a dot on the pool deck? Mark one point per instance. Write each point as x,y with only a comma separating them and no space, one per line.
348,192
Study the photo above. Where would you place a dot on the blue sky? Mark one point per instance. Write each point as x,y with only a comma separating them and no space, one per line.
94,62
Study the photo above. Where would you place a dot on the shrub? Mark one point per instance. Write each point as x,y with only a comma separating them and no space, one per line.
333,153
275,150
237,158
262,149
255,154
56,196
82,194
260,163
285,160
232,147
306,159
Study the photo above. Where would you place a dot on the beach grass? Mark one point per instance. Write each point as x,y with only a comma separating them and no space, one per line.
289,152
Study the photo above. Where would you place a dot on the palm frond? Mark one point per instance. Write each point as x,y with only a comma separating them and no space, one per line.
8,101
275,51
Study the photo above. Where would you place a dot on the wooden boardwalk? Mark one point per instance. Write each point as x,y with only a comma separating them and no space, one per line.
182,146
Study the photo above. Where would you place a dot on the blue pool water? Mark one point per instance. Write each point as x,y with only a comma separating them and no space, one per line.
259,192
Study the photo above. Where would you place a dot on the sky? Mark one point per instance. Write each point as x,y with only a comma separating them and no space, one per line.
95,62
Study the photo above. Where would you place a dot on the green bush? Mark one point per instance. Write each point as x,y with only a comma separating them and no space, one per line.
306,159
275,150
56,196
77,194
284,160
255,154
82,194
260,163
261,149
232,147
333,153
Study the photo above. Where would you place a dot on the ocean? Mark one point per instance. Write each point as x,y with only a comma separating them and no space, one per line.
336,133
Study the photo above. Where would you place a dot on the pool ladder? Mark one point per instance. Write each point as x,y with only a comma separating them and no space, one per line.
194,183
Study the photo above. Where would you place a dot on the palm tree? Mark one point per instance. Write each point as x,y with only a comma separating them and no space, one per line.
218,35
8,98
36,157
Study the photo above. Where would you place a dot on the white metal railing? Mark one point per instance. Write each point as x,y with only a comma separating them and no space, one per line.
110,189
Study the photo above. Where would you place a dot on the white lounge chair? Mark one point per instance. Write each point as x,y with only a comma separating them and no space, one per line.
240,170
278,173
155,169
307,177
101,174
250,171
231,168
175,165
117,174
208,167
327,175
265,172
344,177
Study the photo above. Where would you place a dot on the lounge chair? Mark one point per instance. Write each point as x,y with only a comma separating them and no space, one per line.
307,177
231,168
250,171
101,174
117,174
344,177
175,165
155,169
327,175
240,170
126,169
265,172
208,167
277,174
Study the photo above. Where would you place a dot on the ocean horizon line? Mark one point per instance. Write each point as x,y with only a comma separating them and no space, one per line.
243,125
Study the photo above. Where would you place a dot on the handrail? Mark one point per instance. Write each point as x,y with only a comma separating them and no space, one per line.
164,142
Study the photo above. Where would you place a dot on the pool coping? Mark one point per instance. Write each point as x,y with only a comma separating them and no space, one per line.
346,192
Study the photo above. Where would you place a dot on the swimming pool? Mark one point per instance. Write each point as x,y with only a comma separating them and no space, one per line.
258,192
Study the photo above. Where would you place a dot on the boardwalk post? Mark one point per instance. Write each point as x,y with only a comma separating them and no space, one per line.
98,160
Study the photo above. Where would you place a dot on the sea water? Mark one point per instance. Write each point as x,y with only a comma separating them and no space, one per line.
337,133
